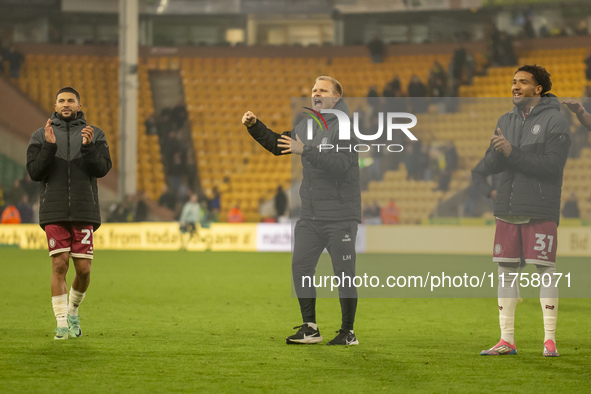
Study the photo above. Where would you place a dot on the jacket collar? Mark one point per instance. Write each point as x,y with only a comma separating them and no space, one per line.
79,121
547,101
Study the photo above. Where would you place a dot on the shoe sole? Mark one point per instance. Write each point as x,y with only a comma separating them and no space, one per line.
551,354
512,353
355,342
309,341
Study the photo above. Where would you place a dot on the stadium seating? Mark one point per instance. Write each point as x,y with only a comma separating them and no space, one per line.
219,90
485,101
96,79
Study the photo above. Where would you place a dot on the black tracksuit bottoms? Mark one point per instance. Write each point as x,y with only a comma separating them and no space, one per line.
311,238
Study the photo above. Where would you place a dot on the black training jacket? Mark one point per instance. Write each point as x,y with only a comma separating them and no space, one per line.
67,171
530,179
330,186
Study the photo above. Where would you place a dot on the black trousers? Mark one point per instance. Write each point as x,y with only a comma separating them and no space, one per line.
311,238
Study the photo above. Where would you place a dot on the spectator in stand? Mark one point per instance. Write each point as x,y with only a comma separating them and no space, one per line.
373,91
571,207
506,52
184,191
458,64
178,115
415,161
582,29
235,215
444,180
17,191
451,157
141,208
544,30
10,215
31,188
151,125
190,217
376,49
280,202
470,67
115,213
215,201
417,91
208,216
528,26
25,209
390,213
191,170
16,60
372,213
438,71
437,81
174,156
3,54
167,198
396,84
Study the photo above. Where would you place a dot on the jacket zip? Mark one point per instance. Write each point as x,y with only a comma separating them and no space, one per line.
45,192
513,181
92,194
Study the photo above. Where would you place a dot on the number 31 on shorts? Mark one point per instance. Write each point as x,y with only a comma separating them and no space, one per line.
543,240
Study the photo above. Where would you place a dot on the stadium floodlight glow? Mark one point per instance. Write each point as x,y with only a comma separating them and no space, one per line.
162,6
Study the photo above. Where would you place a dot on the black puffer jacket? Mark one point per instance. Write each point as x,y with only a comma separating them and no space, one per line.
330,187
530,179
67,171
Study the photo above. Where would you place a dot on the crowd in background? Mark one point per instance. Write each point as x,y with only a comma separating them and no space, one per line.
19,203
424,162
11,60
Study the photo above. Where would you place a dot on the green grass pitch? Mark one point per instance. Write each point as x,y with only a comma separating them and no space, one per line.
217,322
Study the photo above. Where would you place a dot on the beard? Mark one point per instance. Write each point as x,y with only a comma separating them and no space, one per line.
73,115
522,102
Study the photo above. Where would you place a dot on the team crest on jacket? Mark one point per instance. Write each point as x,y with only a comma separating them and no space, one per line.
325,140
498,249
536,129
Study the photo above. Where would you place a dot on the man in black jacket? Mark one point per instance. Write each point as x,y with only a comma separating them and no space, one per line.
331,208
67,156
528,152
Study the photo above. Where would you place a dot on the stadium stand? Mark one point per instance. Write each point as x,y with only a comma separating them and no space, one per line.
96,78
416,199
219,89
264,85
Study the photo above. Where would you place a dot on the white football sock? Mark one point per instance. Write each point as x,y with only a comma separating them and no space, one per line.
313,325
60,309
507,301
549,301
75,300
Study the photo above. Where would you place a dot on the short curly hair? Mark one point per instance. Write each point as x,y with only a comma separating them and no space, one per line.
541,76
